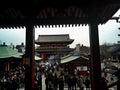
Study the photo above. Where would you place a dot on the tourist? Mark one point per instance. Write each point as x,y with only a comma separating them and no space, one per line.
61,82
87,83
80,83
55,81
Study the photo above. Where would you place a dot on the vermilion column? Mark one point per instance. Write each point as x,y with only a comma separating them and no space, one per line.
95,64
29,55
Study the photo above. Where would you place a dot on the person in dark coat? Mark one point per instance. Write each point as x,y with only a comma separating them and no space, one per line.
14,85
55,81
40,82
87,83
61,82
103,84
74,81
46,82
69,82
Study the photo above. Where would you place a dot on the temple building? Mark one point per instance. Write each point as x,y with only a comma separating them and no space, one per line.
77,60
61,12
74,62
53,46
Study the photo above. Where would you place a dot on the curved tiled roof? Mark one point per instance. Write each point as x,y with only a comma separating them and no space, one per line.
71,58
7,52
60,38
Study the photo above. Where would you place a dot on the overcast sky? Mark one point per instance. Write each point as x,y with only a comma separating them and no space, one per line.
108,33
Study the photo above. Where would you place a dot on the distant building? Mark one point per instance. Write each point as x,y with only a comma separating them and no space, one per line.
84,50
21,48
114,50
53,45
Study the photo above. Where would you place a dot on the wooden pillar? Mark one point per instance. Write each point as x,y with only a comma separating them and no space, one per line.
95,64
29,55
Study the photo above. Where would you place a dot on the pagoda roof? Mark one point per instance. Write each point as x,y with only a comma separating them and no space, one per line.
60,38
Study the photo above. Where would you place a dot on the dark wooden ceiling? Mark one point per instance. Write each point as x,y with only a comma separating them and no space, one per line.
49,12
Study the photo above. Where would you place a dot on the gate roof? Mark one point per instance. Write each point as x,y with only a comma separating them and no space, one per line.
50,12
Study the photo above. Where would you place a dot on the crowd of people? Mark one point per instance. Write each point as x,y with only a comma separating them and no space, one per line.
12,79
72,82
58,79
55,79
